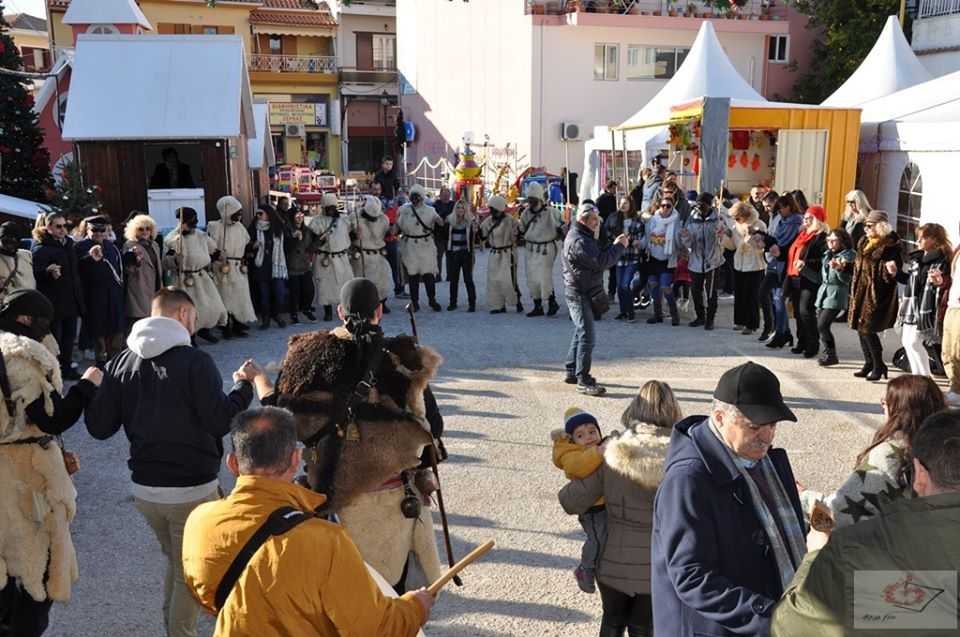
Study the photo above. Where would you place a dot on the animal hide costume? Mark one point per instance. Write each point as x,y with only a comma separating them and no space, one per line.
370,228
501,234
230,273
540,231
19,270
357,441
331,268
37,499
197,280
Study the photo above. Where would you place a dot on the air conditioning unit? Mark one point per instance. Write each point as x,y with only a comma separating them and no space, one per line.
295,130
570,131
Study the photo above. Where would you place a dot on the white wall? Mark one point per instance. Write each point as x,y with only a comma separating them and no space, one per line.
941,32
349,26
571,94
469,63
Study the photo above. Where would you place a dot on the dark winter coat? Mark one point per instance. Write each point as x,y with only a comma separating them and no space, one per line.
834,288
300,252
265,271
65,292
921,298
873,290
584,263
812,257
102,283
627,480
714,573
168,397
786,232
606,204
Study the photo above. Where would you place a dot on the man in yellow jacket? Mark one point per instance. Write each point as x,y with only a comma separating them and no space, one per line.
309,580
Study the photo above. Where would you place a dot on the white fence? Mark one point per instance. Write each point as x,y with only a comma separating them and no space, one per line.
933,8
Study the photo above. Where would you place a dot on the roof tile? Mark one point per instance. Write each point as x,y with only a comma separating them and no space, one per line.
314,18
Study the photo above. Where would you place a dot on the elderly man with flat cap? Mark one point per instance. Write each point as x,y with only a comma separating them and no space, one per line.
728,528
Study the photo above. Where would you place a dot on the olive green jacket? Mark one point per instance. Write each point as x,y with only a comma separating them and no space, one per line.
912,535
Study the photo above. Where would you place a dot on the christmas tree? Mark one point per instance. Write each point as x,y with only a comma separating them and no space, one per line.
72,198
24,162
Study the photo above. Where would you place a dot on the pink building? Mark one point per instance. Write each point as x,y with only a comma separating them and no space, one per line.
514,73
788,54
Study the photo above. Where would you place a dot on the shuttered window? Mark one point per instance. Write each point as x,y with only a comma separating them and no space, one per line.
169,28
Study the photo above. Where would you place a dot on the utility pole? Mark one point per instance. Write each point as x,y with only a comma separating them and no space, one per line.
903,13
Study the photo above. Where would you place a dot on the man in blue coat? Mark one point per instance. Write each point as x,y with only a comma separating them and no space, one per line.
728,527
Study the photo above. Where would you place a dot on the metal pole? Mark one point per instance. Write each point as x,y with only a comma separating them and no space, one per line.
626,163
566,176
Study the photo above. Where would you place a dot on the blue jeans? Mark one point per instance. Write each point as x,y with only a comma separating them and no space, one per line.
662,281
580,355
780,312
624,293
271,297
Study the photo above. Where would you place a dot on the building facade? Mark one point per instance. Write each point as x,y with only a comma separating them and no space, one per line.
936,36
29,34
512,72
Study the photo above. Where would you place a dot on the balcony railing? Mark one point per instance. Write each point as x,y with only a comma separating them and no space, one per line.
377,74
750,9
934,8
293,63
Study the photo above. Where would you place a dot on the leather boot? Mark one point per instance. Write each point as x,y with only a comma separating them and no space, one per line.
519,307
537,309
552,306
657,312
867,360
327,312
674,312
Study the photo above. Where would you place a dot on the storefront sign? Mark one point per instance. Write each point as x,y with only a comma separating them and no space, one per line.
298,113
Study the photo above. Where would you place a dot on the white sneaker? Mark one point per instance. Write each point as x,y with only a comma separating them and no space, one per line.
952,398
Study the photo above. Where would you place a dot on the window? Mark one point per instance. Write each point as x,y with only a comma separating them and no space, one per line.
653,63
209,30
606,61
908,206
276,43
384,56
101,29
778,48
316,147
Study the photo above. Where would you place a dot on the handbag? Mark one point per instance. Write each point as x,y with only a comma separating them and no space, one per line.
599,302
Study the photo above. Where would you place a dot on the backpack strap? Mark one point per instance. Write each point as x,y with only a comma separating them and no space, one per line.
279,522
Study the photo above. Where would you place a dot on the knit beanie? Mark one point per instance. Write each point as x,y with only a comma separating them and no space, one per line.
573,417
819,212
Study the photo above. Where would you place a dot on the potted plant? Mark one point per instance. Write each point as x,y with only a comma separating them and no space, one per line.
671,8
691,10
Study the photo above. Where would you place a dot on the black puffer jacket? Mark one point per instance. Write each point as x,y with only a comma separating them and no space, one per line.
65,292
584,263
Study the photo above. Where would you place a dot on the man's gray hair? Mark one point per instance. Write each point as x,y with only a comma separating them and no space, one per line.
263,440
731,413
586,210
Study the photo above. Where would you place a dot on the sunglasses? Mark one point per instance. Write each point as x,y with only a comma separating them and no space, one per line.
58,225
851,202
666,205
98,230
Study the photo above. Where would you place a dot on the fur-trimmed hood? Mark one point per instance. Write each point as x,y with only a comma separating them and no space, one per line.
639,454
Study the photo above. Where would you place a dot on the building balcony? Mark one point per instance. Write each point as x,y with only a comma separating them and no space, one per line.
935,8
376,75
370,7
321,64
760,10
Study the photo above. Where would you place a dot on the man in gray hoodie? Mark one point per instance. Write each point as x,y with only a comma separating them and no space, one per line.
701,235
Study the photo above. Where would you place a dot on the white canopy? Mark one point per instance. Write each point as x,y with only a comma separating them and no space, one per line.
890,66
705,72
261,146
922,117
105,12
21,207
159,87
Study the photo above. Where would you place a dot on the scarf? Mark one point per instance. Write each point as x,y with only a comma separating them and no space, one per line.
278,265
787,551
921,301
796,248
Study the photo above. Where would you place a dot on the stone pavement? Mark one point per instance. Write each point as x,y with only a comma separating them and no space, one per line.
501,393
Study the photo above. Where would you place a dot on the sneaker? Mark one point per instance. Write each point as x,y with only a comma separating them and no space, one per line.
585,580
620,317
952,398
738,328
696,323
590,388
631,318
748,331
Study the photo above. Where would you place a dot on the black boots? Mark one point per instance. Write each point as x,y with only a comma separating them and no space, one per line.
383,304
519,307
327,312
310,315
867,360
537,309
674,312
552,306
657,312
207,335
878,369
435,306
828,358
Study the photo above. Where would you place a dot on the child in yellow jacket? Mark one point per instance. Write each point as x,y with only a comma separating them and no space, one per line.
576,450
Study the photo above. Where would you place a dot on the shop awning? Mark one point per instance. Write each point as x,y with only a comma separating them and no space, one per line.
287,29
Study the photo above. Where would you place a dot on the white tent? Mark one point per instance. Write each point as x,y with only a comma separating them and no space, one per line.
105,12
21,207
706,72
159,87
260,148
890,66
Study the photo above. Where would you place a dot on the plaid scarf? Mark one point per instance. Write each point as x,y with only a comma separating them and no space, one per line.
787,551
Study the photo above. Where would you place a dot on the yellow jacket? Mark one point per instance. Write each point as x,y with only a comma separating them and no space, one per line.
309,581
577,462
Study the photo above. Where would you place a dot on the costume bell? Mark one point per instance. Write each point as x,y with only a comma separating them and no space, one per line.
331,269
369,228
16,265
187,254
418,250
540,227
499,231
229,272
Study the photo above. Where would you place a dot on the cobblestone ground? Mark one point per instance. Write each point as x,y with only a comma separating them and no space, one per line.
501,394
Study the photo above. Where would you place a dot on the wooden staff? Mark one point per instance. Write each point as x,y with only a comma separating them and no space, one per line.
469,559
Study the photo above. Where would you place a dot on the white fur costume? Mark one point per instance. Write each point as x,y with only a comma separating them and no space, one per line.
418,249
502,237
370,235
23,279
197,247
539,230
233,286
37,497
331,268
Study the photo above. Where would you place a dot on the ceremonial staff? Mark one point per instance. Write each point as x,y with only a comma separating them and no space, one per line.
436,474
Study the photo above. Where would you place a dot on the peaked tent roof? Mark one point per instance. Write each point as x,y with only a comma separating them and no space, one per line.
890,66
187,87
105,12
935,101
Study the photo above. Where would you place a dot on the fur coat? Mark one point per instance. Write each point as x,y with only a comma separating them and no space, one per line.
233,285
197,248
873,290
628,478
37,499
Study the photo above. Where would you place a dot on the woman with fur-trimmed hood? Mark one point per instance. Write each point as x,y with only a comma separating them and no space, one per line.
38,564
627,480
